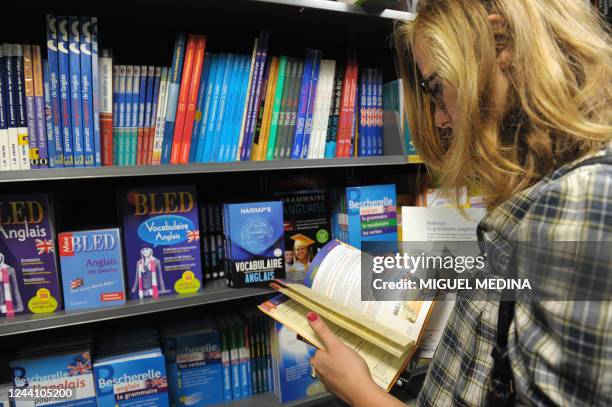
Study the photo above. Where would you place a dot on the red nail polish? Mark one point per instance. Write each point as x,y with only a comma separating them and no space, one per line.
312,316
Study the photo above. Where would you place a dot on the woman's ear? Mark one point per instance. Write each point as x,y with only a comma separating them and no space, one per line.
502,43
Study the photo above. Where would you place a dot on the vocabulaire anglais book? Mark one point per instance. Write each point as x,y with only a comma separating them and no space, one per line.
384,333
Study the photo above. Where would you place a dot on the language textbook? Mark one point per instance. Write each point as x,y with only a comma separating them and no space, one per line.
28,267
162,240
384,333
92,268
254,242
61,370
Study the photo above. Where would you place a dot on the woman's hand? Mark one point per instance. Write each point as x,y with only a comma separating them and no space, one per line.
340,368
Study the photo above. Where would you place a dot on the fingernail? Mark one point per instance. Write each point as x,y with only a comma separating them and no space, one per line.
312,316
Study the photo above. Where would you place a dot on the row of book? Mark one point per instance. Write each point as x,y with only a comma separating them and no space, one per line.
195,362
76,108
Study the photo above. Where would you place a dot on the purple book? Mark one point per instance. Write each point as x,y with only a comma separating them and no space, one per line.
28,266
162,240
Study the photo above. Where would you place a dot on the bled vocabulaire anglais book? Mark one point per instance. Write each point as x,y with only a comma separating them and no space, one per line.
162,240
92,268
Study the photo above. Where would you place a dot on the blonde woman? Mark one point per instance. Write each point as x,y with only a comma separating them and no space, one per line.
511,98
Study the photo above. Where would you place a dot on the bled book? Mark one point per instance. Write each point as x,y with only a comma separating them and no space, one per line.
132,379
307,229
28,267
254,242
162,240
372,214
92,268
65,370
193,363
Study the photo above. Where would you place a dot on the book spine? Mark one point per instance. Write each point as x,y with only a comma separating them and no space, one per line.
95,92
115,138
106,107
159,122
282,115
39,106
146,145
370,140
341,141
255,144
267,111
192,99
353,101
174,81
278,94
11,106
249,85
28,77
5,164
75,90
258,94
197,120
293,109
142,107
22,121
239,113
64,90
89,148
379,107
48,112
296,149
362,109
312,95
221,109
235,362
121,124
153,120
224,144
210,130
52,57
181,110
129,122
133,131
256,62
326,99
334,114
213,61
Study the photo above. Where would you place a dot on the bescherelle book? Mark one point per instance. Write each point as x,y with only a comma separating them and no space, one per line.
384,333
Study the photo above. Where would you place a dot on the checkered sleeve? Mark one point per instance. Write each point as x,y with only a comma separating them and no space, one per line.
561,350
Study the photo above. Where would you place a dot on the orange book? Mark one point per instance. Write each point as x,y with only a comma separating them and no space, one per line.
181,108
192,100
267,114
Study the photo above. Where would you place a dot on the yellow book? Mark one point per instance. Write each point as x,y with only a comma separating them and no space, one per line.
262,144
384,333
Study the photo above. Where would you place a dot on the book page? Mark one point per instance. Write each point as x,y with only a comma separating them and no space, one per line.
383,367
338,277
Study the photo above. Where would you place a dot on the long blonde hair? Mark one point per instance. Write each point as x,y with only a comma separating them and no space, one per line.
559,104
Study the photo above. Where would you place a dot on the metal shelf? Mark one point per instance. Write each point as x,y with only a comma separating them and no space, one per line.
215,291
156,170
345,8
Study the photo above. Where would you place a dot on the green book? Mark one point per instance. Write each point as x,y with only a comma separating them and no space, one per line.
278,95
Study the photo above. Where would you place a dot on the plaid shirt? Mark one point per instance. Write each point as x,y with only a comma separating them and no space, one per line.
560,351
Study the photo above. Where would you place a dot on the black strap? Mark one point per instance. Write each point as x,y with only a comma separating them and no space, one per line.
502,385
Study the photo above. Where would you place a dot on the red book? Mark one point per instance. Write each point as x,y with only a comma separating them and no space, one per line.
342,120
351,112
192,100
106,135
181,108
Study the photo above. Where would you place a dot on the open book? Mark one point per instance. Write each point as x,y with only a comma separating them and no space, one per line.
384,333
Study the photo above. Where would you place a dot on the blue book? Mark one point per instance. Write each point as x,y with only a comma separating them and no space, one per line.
255,244
132,379
212,118
68,369
296,149
193,363
95,90
370,142
362,108
116,90
199,107
379,108
142,106
226,134
121,129
74,54
132,137
312,94
225,357
129,103
372,215
64,90
258,95
92,268
54,91
48,115
146,146
221,108
202,125
236,109
174,84
334,113
87,126
241,96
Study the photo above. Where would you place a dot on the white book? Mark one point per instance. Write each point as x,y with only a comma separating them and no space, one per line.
316,114
23,145
5,164
327,100
160,116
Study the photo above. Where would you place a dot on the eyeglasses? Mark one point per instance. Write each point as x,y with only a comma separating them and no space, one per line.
435,92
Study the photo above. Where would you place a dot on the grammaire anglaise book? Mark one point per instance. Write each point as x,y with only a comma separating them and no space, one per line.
384,333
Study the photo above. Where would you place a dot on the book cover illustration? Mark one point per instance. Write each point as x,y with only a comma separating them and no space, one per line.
134,379
27,256
92,268
193,364
307,229
69,370
372,214
162,241
254,239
